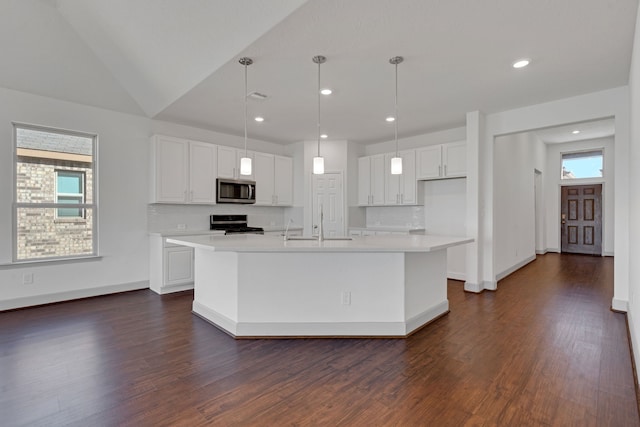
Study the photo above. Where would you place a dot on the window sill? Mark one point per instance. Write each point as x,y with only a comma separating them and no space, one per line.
56,261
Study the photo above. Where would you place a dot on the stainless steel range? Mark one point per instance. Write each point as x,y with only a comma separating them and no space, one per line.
233,224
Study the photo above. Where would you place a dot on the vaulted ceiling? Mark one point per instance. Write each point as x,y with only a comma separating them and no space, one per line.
177,60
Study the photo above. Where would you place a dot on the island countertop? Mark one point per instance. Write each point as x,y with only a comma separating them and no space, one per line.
259,243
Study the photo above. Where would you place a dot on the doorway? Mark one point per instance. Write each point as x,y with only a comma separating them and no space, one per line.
581,219
328,193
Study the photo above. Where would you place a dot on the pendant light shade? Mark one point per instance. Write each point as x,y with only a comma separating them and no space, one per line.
396,162
245,162
318,161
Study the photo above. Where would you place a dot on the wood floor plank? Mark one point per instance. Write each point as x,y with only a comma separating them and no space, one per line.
543,350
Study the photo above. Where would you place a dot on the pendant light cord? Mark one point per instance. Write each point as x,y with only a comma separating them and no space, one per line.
245,108
319,108
396,110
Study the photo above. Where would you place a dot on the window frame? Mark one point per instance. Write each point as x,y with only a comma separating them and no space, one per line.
577,153
84,206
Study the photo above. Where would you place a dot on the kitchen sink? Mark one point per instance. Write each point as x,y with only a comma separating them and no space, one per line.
315,238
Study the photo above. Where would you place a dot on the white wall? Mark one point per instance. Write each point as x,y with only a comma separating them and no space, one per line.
432,138
123,165
123,193
517,157
597,105
552,190
634,197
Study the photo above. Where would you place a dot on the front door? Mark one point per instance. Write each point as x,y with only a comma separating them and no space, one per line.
581,219
327,192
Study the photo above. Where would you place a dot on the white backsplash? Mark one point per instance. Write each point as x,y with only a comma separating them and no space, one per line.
395,216
163,217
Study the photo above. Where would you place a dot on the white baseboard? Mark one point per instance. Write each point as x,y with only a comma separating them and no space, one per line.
11,304
608,253
456,276
327,329
490,285
515,267
620,305
172,288
635,345
473,287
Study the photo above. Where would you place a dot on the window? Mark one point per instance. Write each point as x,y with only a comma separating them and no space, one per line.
55,209
585,164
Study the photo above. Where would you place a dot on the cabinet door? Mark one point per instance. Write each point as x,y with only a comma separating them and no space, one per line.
429,162
364,181
392,182
178,266
263,171
202,172
408,187
377,179
171,165
283,180
226,162
454,158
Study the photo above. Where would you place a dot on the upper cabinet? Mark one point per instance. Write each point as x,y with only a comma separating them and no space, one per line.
229,163
371,174
274,179
442,161
401,189
182,171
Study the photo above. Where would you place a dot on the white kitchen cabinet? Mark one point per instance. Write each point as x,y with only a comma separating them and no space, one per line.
454,159
178,266
182,171
283,181
170,266
229,163
442,161
274,179
401,189
371,180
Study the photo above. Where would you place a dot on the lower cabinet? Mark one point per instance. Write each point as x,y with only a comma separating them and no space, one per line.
171,266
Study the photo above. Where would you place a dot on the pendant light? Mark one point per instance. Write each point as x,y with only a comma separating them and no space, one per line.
318,162
396,162
245,162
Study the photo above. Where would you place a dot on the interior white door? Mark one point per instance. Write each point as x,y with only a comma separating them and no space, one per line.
328,193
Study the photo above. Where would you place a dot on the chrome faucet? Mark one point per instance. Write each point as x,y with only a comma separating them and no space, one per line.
286,230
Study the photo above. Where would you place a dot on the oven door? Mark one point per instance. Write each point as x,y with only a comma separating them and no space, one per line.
235,191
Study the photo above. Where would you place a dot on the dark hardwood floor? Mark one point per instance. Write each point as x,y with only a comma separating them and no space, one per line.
543,350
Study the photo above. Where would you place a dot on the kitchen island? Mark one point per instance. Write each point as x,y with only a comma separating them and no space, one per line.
263,286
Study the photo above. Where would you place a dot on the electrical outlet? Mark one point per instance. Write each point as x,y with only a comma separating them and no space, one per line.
182,226
27,278
346,298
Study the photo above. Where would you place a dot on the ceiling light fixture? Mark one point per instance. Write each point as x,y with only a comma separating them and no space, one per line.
259,119
245,162
390,119
521,63
324,136
396,162
575,132
326,91
318,162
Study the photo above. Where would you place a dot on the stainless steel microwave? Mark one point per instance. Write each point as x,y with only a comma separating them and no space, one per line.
235,191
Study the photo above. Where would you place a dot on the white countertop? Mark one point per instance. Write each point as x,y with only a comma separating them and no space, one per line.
174,232
388,228
259,243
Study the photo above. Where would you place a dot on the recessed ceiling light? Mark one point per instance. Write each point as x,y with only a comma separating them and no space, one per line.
259,119
390,119
575,132
326,91
521,63
324,136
